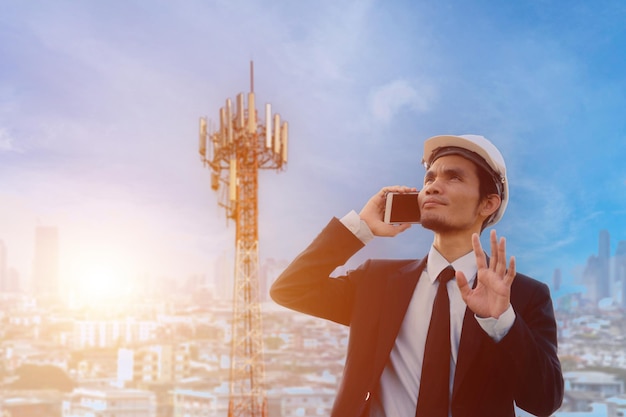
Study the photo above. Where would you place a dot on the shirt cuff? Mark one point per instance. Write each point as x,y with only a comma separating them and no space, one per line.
497,328
357,226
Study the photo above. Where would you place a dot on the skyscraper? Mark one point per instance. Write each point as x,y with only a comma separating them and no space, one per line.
620,268
46,261
604,244
604,256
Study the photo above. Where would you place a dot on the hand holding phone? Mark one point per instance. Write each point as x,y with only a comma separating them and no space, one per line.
402,208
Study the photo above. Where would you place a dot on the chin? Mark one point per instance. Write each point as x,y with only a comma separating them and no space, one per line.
436,224
433,223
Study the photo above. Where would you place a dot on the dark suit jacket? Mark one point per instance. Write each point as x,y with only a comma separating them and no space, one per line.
372,300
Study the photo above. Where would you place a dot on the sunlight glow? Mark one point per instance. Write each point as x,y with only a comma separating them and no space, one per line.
103,278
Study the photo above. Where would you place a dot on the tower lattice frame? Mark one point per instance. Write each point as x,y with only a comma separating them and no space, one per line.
235,152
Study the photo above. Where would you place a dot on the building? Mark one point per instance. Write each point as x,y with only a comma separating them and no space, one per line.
604,276
606,385
604,257
109,402
194,403
620,269
306,401
112,333
37,403
155,363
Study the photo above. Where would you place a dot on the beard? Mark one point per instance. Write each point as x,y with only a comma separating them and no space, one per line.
437,224
441,223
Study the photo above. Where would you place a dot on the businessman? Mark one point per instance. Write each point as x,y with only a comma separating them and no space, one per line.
455,333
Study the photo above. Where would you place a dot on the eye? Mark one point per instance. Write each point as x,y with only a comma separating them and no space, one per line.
455,175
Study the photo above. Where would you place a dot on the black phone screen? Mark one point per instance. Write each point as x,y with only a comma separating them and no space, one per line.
404,209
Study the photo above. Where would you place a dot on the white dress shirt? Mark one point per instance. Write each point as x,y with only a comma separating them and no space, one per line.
400,380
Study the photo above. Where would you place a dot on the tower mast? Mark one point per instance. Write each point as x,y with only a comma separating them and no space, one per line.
235,152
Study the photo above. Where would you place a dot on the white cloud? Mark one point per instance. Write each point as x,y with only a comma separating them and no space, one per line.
6,141
387,100
105,106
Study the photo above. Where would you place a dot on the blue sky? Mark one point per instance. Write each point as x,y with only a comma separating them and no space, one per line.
99,108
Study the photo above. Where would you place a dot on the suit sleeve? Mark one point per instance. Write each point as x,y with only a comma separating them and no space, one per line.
306,285
530,347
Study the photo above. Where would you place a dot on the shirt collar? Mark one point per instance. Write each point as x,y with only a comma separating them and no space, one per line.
437,263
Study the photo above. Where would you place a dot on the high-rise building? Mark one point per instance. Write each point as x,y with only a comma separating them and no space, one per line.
591,279
603,274
46,261
604,244
620,269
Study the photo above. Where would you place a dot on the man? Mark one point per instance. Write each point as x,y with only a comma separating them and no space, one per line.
502,347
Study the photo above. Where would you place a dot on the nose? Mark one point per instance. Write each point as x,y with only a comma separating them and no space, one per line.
432,187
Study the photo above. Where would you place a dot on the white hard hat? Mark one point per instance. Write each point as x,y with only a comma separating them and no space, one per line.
480,151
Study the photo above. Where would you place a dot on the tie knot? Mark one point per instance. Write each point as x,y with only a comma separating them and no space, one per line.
446,275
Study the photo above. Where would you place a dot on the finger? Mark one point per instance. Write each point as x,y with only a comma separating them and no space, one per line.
391,230
510,273
383,193
493,240
501,265
396,189
481,260
402,227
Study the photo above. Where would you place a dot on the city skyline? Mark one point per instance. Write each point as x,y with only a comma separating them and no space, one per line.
591,280
99,109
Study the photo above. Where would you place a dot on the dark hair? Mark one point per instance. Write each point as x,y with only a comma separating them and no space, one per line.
487,177
486,187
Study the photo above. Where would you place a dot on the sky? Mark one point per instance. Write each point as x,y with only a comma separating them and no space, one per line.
100,101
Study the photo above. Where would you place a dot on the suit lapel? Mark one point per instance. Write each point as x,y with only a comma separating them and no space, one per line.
398,294
470,345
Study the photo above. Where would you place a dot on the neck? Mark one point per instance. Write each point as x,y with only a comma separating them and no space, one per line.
452,246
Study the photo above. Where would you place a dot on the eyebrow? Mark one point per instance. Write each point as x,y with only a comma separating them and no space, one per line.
447,172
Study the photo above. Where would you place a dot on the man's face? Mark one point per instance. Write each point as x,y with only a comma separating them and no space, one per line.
449,199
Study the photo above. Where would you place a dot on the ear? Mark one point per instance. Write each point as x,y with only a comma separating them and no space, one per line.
490,205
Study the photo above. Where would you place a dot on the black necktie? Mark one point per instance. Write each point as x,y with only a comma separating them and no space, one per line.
434,395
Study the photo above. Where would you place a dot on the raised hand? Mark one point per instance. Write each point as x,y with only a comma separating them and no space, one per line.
492,294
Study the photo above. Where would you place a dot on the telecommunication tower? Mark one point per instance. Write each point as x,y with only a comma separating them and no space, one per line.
235,151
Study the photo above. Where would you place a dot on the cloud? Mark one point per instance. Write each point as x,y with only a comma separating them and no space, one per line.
6,141
544,205
102,109
388,100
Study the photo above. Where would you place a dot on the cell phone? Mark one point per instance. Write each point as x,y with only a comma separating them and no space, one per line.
402,208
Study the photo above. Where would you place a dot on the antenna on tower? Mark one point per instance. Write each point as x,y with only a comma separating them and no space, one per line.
252,76
241,147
